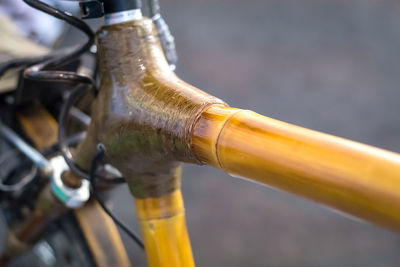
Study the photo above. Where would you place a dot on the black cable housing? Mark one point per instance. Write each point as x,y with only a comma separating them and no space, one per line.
28,178
21,62
45,71
95,164
113,6
41,72
62,138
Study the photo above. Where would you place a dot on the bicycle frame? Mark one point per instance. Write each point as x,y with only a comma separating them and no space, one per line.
150,121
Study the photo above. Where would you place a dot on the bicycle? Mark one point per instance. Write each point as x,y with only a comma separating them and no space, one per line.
143,114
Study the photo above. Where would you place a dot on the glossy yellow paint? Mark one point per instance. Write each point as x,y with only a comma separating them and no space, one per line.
165,236
355,178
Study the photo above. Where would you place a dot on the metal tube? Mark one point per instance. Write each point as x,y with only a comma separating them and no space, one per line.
80,116
26,149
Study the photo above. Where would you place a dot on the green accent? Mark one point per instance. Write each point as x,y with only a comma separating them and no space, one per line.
59,193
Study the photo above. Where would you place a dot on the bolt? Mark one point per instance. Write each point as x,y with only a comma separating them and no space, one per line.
71,180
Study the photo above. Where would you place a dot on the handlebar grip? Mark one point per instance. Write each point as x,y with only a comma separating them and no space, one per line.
358,179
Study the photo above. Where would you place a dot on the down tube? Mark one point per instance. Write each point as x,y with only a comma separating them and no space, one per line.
162,221
355,178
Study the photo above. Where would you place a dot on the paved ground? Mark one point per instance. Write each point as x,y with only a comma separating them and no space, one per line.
332,66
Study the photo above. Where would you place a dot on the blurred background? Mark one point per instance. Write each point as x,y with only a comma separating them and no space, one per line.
332,66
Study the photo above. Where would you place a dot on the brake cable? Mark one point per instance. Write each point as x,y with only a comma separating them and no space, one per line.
94,166
44,71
